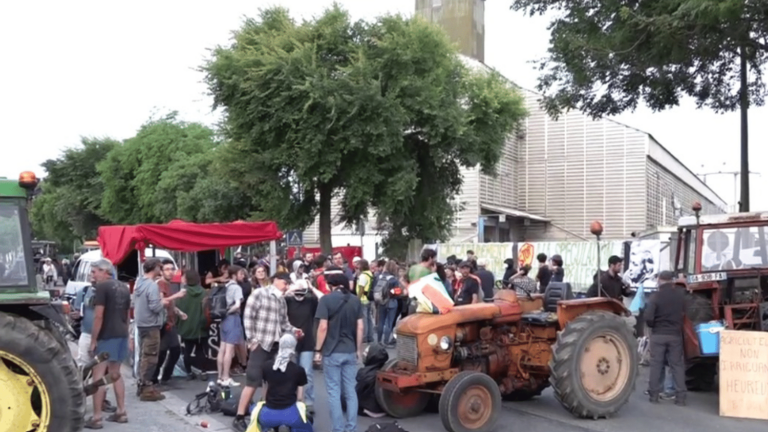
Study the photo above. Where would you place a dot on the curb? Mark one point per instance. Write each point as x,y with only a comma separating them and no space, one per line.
175,405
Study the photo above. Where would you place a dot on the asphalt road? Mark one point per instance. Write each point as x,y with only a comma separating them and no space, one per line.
544,414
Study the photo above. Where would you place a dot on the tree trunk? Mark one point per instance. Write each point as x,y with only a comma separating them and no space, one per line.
325,218
744,111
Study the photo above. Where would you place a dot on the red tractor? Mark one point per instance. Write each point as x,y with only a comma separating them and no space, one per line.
725,258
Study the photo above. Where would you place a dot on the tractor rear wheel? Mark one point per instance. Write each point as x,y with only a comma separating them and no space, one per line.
408,403
594,365
42,387
470,402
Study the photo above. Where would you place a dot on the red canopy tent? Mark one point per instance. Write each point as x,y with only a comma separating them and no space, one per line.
118,241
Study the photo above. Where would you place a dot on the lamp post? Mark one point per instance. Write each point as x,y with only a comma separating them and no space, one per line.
596,228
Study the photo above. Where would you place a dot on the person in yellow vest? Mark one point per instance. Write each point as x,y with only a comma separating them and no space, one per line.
364,285
283,393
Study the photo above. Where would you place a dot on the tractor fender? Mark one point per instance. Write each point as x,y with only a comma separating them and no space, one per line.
54,312
568,310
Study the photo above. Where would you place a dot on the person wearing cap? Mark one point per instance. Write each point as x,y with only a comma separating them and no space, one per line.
664,315
611,283
266,320
339,347
468,291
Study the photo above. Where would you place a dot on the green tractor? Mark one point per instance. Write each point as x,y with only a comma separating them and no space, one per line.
41,388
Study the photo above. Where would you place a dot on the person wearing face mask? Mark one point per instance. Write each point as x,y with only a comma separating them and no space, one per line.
302,301
299,271
283,392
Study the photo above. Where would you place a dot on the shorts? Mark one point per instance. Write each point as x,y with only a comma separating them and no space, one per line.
117,348
254,376
232,330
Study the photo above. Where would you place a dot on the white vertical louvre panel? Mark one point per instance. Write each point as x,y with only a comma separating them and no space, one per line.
578,170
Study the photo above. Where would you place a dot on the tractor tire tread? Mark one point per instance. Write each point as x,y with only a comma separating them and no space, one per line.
567,387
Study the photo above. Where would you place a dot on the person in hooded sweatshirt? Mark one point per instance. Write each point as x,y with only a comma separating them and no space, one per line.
193,331
149,316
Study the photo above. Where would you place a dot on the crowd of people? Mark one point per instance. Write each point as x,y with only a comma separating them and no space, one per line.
276,330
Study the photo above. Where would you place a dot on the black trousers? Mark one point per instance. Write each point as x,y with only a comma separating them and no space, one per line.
667,350
193,346
170,349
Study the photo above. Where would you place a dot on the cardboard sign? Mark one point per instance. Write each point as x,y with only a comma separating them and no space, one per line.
744,374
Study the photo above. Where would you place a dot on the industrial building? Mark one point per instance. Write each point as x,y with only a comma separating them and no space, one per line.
556,176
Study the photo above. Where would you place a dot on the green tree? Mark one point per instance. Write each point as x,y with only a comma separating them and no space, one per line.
606,57
148,174
380,114
68,208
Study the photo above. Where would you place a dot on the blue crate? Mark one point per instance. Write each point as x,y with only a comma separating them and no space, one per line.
709,338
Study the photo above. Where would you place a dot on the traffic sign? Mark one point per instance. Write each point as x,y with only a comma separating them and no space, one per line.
294,238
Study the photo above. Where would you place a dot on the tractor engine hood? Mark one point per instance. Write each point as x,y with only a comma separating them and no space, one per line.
503,308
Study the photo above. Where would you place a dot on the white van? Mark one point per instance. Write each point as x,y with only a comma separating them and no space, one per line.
81,271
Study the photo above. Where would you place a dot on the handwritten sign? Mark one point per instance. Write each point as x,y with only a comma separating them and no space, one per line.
744,374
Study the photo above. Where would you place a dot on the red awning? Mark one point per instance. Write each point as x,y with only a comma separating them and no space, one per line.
118,241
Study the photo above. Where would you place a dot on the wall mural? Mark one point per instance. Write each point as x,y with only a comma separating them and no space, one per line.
579,258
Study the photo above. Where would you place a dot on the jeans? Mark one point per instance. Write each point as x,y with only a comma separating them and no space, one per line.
193,355
305,361
270,418
340,370
387,317
669,381
368,322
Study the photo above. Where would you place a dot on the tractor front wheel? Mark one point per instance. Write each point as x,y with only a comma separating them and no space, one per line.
594,365
408,403
42,390
470,402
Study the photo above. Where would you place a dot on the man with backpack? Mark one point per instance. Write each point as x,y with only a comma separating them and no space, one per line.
384,297
339,346
149,312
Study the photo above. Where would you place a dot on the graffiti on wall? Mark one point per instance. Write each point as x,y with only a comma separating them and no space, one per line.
579,258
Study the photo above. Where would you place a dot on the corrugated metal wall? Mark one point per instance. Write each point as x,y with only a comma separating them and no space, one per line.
469,200
662,187
575,170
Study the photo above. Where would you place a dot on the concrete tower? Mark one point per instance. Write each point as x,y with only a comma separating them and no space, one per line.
463,20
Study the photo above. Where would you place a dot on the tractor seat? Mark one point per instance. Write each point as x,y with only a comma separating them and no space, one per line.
555,292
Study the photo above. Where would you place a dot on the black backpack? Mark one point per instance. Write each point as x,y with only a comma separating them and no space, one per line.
217,304
381,290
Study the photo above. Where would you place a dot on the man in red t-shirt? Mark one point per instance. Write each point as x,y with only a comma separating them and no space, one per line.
319,263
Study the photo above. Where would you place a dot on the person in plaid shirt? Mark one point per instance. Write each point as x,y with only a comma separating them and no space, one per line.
265,321
522,283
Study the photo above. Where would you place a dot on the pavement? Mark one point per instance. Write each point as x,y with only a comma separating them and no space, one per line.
543,414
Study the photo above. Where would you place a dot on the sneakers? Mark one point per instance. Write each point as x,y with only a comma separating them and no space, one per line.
667,396
229,383
237,371
239,424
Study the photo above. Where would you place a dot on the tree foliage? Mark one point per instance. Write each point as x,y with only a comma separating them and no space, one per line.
166,172
69,206
605,57
380,114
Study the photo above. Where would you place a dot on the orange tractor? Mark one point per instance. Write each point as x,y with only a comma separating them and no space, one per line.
511,349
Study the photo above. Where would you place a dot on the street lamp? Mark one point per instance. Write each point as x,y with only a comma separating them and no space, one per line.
596,228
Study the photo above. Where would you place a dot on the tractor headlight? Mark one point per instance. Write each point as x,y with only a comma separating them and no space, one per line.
445,343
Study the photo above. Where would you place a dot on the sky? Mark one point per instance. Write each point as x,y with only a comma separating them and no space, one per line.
101,69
